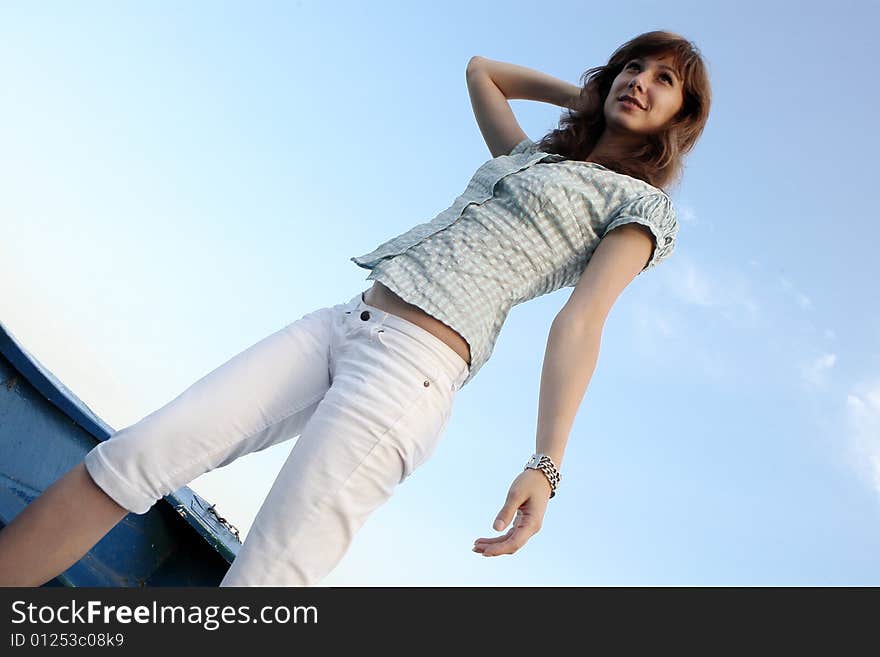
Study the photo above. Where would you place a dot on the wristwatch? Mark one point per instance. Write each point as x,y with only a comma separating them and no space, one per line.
545,464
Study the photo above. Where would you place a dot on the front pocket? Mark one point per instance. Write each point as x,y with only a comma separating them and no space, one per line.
410,354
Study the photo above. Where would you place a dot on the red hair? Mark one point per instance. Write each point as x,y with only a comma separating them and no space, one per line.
659,161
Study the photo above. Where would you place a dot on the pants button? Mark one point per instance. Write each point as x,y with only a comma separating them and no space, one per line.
365,315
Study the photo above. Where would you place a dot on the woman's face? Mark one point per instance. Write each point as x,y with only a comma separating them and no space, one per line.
656,88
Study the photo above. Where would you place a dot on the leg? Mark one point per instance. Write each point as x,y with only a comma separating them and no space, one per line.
73,507
377,423
258,398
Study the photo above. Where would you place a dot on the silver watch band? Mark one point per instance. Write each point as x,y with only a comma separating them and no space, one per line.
545,464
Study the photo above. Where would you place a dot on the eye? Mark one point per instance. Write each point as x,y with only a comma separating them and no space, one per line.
664,75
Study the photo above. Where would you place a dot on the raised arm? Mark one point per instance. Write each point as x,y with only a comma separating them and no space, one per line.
491,84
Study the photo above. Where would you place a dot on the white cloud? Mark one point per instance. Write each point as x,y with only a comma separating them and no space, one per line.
727,292
693,286
686,214
863,416
815,372
799,297
804,301
661,332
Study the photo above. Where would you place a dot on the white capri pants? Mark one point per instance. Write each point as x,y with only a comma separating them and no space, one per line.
368,393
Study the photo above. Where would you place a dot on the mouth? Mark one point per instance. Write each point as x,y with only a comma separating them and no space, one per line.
627,101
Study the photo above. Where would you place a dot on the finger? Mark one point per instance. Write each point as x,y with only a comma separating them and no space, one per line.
510,544
494,539
511,505
508,547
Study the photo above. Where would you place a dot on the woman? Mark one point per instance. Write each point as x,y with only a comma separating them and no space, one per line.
368,385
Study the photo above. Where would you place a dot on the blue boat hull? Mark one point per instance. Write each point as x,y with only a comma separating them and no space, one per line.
45,430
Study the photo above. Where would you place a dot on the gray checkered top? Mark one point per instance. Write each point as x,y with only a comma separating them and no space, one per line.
525,226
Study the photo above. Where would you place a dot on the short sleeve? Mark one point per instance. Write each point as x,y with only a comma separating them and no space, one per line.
654,210
525,146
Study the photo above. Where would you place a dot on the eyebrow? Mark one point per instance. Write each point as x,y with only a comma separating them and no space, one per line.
668,68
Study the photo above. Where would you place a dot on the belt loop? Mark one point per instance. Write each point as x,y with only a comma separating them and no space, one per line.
459,379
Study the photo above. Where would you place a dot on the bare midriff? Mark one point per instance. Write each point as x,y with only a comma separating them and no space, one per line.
383,298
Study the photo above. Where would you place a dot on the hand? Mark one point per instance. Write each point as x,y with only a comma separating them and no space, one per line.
528,497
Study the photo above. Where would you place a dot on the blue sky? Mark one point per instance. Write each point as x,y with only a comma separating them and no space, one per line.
171,193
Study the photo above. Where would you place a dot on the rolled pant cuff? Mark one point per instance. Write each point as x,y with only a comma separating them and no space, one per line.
112,483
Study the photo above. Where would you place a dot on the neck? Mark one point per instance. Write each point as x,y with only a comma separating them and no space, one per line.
613,144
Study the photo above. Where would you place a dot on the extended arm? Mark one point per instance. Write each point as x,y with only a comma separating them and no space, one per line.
569,361
576,332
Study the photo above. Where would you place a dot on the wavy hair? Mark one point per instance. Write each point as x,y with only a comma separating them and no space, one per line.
659,160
